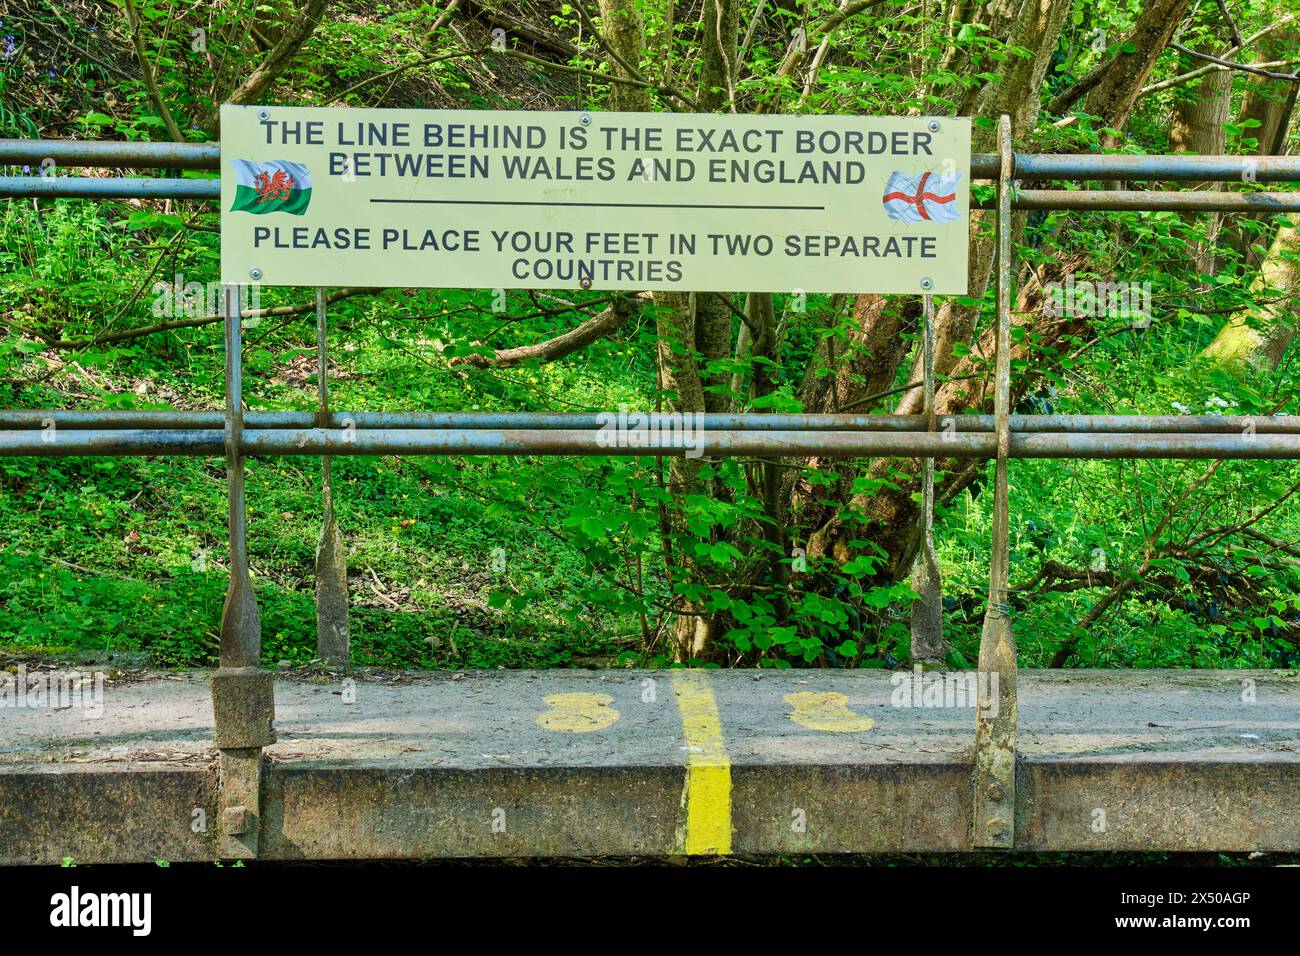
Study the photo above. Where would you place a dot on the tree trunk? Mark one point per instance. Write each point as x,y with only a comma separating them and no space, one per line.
1036,27
694,328
890,514
1197,126
621,25
1113,97
679,376
1271,103
1261,333
1197,123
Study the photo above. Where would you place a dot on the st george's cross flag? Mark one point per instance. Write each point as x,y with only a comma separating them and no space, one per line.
274,186
927,197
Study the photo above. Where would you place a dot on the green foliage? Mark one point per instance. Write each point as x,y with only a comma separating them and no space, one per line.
545,561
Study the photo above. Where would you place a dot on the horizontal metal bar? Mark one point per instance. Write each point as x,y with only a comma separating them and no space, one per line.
1109,424
313,441
142,442
780,443
68,152
1081,167
1134,201
84,187
1070,166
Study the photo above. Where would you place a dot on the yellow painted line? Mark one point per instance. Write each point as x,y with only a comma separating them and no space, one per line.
708,768
826,711
578,713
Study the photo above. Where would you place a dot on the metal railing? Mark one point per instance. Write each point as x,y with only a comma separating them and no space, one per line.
242,692
1026,167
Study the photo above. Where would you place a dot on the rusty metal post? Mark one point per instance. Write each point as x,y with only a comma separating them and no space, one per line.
243,701
927,610
332,636
993,820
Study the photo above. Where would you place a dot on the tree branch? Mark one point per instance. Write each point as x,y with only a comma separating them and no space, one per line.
603,77
1174,81
538,36
277,61
1229,64
612,318
147,74
798,50
398,70
124,335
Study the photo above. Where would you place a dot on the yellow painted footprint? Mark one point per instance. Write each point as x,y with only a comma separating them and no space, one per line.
826,711
578,713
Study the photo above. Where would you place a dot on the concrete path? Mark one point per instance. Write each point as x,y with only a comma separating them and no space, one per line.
576,763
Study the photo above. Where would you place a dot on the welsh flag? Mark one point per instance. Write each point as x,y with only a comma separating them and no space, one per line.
275,186
920,198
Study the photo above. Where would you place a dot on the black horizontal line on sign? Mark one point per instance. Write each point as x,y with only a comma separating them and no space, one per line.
616,205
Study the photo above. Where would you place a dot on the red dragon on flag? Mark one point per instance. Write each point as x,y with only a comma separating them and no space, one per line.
273,187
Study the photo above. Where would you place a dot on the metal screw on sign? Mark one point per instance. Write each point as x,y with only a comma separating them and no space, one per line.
934,126
255,273
927,283
263,114
585,283
585,119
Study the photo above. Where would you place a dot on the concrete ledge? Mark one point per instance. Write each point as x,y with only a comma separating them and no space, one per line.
1177,805
107,814
903,808
614,763
565,811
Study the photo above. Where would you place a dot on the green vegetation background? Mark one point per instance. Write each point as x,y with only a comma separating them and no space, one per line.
111,555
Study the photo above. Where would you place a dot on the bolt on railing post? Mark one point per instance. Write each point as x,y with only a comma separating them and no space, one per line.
243,701
993,820
332,636
927,610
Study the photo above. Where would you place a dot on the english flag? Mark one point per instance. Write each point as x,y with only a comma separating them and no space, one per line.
926,197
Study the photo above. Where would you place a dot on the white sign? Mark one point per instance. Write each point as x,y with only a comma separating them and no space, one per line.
606,201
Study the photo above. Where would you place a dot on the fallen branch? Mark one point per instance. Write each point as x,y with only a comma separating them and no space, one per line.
794,56
527,31
612,318
406,67
602,77
112,338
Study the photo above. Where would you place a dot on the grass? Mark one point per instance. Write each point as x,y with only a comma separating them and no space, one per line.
476,562
130,554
